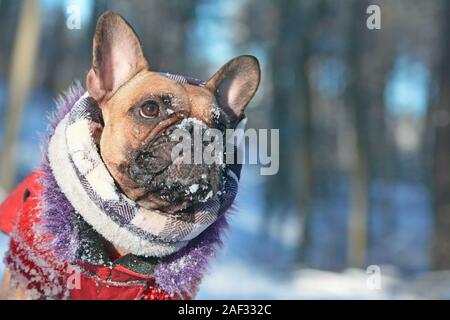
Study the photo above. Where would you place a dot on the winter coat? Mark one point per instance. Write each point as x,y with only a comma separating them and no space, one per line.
35,267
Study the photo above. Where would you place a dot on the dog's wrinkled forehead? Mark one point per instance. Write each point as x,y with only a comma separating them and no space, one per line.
202,103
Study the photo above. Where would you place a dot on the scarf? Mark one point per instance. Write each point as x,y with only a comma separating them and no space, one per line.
84,179
80,184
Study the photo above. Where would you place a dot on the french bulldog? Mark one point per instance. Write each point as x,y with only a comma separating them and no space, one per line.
141,107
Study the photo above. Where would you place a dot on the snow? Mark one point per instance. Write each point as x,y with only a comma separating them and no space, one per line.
208,196
194,188
189,122
239,281
216,112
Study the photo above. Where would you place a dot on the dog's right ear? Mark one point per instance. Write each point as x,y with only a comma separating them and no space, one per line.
117,56
234,86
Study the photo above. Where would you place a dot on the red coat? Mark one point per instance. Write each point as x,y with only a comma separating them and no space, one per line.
34,265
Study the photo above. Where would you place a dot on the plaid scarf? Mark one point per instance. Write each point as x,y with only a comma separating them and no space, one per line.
85,181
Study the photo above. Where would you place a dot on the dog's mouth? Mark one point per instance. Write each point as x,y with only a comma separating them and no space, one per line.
170,183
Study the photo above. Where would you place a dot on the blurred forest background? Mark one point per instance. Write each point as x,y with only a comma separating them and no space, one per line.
364,119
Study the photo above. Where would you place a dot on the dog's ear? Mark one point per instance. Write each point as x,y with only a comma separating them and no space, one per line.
117,56
234,85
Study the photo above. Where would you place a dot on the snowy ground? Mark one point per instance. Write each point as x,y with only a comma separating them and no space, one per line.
239,281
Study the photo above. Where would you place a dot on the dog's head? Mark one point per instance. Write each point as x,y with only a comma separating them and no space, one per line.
141,107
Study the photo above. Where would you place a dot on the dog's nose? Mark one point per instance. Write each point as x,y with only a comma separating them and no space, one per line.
192,183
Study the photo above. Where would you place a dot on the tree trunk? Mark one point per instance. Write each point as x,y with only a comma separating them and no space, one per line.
303,97
441,168
20,82
359,202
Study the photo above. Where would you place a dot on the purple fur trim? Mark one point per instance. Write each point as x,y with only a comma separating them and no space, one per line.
182,271
178,273
59,216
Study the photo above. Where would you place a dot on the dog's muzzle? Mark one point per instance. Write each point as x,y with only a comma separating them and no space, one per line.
174,180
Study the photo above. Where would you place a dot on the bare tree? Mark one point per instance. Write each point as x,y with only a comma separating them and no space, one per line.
441,167
357,106
21,78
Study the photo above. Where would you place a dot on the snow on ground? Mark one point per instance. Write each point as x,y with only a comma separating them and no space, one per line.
239,281
234,280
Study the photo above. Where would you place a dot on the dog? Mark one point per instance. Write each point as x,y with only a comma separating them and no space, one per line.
110,214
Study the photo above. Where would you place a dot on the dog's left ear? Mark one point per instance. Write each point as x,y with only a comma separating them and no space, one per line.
117,56
234,85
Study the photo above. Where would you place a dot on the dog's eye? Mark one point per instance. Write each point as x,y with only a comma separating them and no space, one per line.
150,109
